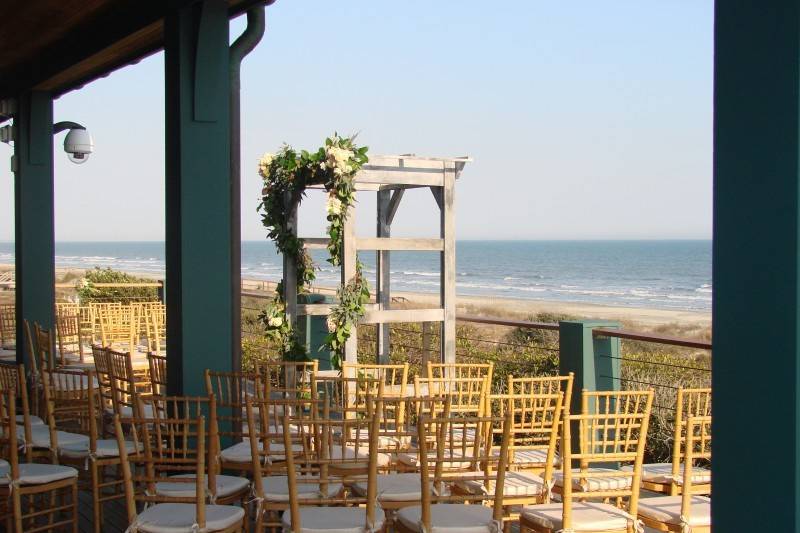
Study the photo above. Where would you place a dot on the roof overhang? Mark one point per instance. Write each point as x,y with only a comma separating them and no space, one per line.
60,45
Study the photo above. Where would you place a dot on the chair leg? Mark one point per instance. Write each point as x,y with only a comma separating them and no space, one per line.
97,507
75,507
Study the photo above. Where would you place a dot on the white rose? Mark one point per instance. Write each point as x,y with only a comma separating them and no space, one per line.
331,324
264,163
276,321
334,205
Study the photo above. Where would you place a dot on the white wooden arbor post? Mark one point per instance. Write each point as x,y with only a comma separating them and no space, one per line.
390,176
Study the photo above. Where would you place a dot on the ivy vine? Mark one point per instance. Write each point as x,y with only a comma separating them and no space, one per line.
286,175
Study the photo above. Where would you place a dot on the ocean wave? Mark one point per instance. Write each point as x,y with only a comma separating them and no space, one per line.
423,273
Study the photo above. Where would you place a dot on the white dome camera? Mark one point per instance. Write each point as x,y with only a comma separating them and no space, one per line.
78,144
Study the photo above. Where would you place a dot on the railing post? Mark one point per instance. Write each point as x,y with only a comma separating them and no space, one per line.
593,360
426,345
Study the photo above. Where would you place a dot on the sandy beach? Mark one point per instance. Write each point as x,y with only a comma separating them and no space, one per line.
674,321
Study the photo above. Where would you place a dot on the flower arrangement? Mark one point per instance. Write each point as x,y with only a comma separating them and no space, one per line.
286,175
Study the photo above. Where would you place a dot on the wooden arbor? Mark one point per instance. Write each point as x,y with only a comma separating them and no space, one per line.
389,176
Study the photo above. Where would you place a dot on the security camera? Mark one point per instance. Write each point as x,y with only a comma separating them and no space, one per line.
78,144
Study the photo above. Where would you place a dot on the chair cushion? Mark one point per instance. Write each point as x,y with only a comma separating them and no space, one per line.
516,484
451,518
586,516
180,517
412,459
35,420
240,452
592,484
530,457
393,487
276,489
334,520
360,457
662,473
226,486
40,437
105,448
667,510
36,473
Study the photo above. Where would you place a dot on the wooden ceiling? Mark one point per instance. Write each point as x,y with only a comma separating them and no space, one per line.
59,45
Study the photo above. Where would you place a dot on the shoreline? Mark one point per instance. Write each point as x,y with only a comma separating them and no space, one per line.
688,322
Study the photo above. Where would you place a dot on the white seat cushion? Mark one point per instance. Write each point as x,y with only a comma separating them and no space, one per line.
240,452
36,474
393,487
105,448
333,520
35,420
412,459
181,517
591,484
226,486
662,473
586,516
451,518
516,484
276,488
667,510
40,437
530,457
360,457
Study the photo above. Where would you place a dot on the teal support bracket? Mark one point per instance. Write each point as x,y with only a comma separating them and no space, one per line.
756,266
198,195
34,215
593,360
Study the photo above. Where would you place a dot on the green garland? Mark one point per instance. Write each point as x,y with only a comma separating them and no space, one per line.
286,176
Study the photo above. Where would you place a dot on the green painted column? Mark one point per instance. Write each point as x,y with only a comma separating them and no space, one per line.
756,308
594,360
198,195
34,229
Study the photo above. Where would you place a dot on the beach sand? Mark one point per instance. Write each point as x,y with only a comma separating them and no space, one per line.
668,321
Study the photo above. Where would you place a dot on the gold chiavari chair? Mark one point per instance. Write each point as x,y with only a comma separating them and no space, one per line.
98,462
444,441
394,377
231,389
45,347
12,376
460,370
33,370
162,442
8,327
105,392
221,489
314,509
68,333
119,326
37,492
154,315
592,479
666,478
529,452
687,511
158,373
126,387
288,379
612,428
533,424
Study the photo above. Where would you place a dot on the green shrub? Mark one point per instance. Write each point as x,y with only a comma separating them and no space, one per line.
88,292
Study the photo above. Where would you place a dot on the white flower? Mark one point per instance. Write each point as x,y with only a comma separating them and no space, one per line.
338,158
275,321
264,163
331,324
334,205
84,283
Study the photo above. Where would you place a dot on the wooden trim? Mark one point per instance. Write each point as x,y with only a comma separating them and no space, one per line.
315,243
394,176
504,322
394,243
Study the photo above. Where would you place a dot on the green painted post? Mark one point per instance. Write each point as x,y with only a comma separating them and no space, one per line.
34,230
756,266
593,360
198,195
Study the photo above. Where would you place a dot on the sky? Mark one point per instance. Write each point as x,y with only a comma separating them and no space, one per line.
585,119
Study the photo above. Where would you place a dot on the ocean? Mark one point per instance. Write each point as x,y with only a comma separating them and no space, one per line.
652,274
